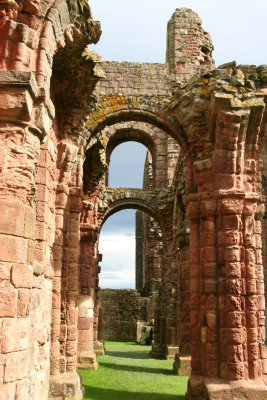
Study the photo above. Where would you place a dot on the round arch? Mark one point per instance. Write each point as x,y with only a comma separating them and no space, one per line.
118,111
118,108
132,131
130,134
136,204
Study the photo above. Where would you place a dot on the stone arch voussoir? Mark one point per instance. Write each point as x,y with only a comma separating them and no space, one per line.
140,132
118,108
117,199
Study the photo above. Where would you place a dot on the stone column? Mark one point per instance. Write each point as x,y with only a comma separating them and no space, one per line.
182,364
20,137
139,251
227,295
98,327
88,272
165,338
64,379
195,285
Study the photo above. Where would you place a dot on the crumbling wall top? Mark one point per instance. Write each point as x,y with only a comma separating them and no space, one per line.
189,46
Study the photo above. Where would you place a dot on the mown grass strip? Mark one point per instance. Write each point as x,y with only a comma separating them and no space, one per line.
126,372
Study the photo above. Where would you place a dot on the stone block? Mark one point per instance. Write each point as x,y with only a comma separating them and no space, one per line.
2,365
14,225
4,272
42,193
236,371
42,336
15,335
85,335
42,176
22,392
87,360
71,348
85,323
8,391
13,249
66,385
8,302
72,317
86,301
16,103
21,276
16,366
24,298
40,231
72,333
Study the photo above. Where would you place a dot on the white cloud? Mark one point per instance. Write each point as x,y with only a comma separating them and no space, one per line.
118,279
118,265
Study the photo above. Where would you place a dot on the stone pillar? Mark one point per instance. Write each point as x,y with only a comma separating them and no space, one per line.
64,377
165,334
226,273
98,327
20,293
264,226
182,364
88,276
139,250
64,338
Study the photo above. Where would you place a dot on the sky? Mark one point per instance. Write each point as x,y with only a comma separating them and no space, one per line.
135,30
117,237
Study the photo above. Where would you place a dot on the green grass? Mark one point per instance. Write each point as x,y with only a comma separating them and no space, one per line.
126,372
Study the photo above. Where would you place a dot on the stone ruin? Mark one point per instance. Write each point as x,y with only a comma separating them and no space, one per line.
62,112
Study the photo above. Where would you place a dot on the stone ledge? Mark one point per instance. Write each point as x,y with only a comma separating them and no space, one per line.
182,365
87,360
65,386
19,79
200,388
171,351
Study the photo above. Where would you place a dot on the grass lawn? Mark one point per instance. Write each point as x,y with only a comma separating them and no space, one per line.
126,372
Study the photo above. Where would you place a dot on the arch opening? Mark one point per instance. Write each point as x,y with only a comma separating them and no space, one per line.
161,120
126,165
117,245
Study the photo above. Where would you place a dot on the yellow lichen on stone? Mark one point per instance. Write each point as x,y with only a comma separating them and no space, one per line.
204,92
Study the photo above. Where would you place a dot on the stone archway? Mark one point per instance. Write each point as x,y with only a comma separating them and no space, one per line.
138,132
116,109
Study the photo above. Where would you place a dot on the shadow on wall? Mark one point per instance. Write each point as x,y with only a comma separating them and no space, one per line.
108,394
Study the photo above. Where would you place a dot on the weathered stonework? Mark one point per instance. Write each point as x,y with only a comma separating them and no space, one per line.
123,309
35,171
62,112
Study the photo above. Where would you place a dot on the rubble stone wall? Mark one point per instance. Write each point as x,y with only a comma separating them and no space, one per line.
134,79
122,309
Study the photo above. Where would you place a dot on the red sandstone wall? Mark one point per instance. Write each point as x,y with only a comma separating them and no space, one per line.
32,223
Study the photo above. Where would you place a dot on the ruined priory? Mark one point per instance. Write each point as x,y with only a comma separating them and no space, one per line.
62,112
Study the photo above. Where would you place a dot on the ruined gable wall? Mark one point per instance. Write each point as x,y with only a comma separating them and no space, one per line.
132,79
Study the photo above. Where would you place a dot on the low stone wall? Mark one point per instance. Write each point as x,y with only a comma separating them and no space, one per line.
122,308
